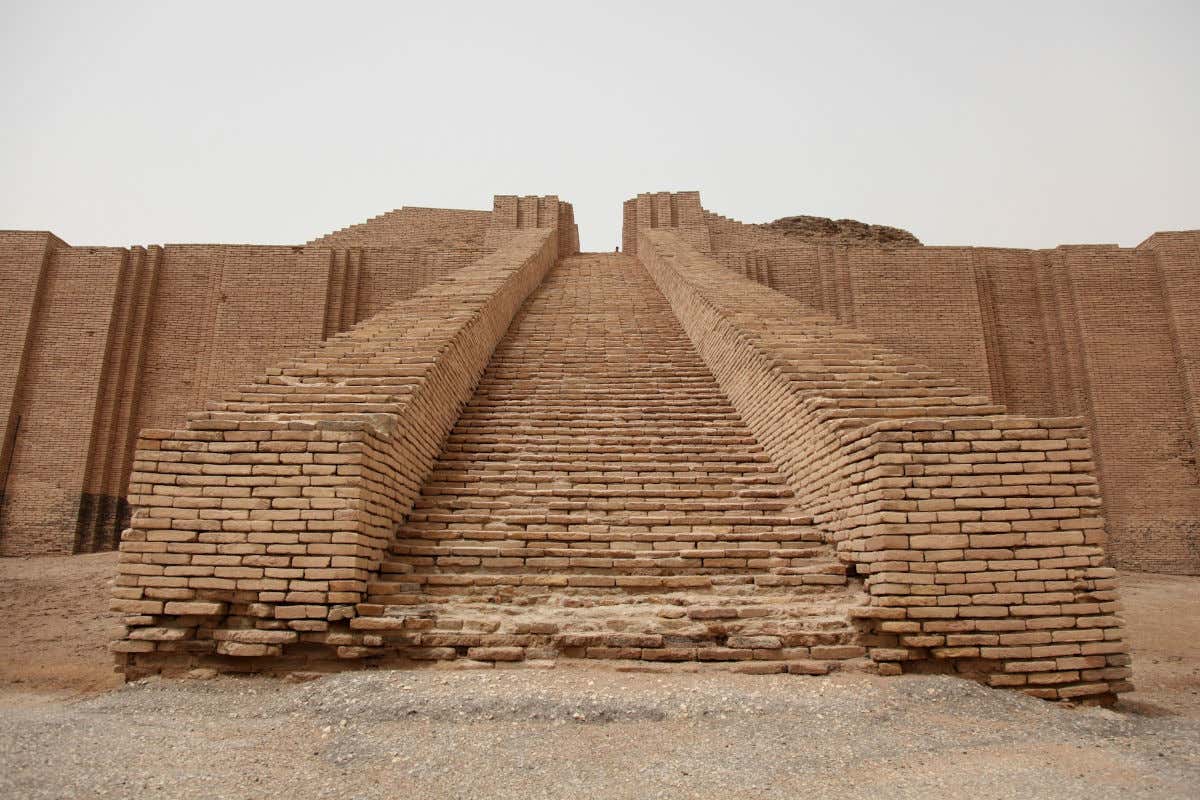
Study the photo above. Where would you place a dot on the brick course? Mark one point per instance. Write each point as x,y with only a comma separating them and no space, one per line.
1098,331
442,436
969,526
149,335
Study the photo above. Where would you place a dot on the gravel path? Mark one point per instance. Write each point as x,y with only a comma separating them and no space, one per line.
574,732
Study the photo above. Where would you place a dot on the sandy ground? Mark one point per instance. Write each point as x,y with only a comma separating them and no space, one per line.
57,624
68,728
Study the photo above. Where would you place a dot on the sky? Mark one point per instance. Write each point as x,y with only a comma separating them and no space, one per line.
1022,124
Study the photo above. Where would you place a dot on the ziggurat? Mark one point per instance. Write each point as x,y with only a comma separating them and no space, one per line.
448,437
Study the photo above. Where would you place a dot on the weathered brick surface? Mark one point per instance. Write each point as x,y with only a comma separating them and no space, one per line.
597,463
433,228
153,333
60,397
600,498
1097,331
675,454
273,508
971,527
24,261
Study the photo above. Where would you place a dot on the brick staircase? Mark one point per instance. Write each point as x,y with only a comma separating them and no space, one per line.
599,497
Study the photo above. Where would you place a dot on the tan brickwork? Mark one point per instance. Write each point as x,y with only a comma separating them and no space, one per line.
979,534
432,228
24,257
444,436
511,213
170,327
1103,332
600,498
60,399
262,520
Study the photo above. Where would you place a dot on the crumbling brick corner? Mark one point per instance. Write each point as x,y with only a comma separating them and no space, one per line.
981,542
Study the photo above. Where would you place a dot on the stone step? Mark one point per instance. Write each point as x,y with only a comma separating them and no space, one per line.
619,458
717,441
733,476
599,497
641,536
507,548
668,562
616,486
526,582
679,627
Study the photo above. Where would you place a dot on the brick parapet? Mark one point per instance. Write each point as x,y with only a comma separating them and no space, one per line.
979,534
516,213
677,211
259,524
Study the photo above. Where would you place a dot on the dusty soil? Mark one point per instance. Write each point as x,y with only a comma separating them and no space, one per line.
572,731
57,623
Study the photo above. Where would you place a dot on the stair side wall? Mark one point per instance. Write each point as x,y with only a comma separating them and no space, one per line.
260,523
1094,330
979,534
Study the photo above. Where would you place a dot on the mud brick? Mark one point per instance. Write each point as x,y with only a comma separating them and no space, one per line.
160,634
614,652
179,608
136,606
669,654
595,461
802,667
256,636
246,650
496,653
823,652
724,654
712,613
755,642
759,667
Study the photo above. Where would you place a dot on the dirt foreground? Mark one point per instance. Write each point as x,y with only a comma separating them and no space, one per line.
68,728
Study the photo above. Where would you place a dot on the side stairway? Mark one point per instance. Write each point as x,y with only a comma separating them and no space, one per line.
599,497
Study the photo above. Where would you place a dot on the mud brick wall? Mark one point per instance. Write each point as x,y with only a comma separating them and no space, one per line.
978,534
678,211
59,398
261,522
982,543
1172,531
1135,391
138,337
24,256
388,274
514,213
1097,331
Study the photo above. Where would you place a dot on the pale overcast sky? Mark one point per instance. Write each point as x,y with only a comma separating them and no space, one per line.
1023,124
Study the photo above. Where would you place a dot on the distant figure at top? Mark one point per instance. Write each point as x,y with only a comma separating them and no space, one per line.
617,249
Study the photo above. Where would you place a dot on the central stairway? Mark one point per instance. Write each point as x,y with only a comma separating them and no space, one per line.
599,497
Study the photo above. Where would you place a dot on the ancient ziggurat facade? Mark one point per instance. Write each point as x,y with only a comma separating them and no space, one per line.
449,437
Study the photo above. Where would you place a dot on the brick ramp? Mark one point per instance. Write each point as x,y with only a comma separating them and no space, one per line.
600,497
